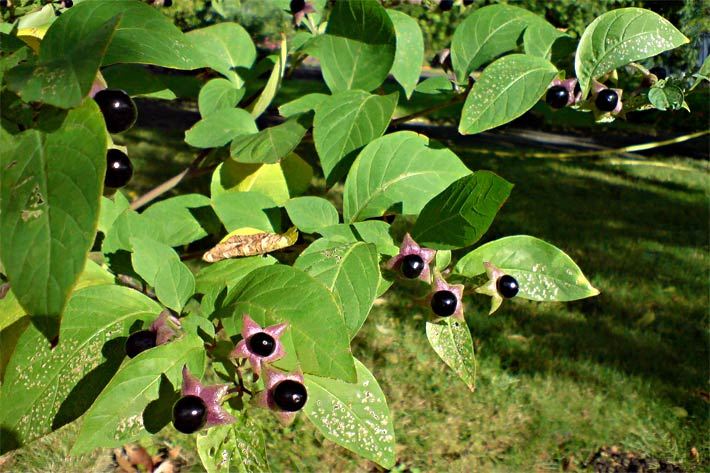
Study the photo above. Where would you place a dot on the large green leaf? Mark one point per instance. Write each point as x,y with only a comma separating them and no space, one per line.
117,415
539,39
358,49
461,214
218,94
354,416
218,129
485,34
619,37
273,143
507,88
451,340
46,388
224,48
160,266
310,213
410,51
247,209
398,173
351,271
544,272
371,231
137,81
237,447
63,77
346,122
175,220
227,273
317,338
51,191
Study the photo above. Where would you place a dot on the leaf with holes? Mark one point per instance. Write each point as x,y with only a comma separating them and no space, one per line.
451,340
310,213
224,48
409,56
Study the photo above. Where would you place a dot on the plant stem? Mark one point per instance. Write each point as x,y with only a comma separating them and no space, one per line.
434,108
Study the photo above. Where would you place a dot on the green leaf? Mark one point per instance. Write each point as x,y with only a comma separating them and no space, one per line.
437,85
175,219
46,388
224,48
302,104
462,213
346,122
619,37
310,214
247,209
218,129
218,94
702,75
273,143
9,337
239,447
49,210
539,39
262,102
116,416
442,259
279,181
137,81
398,173
63,77
358,49
354,416
409,56
351,271
485,34
372,231
161,267
666,95
544,272
451,340
506,89
278,293
227,273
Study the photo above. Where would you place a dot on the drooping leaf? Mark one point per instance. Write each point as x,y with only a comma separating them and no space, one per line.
539,38
218,94
264,99
218,129
485,34
46,388
224,48
398,173
49,209
358,49
271,144
461,213
354,416
175,219
310,213
371,231
117,415
346,122
451,340
507,88
306,103
247,209
316,340
351,271
409,56
544,272
619,37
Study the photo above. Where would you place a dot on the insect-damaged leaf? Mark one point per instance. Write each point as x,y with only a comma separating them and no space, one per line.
451,340
250,242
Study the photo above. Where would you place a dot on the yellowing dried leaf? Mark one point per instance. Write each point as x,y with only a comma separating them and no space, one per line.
250,242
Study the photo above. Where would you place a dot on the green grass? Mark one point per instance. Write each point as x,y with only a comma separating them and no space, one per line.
556,381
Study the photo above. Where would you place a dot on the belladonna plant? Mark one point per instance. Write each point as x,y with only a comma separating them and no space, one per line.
259,345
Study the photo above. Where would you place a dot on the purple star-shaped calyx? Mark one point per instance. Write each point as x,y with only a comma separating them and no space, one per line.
440,284
490,288
598,87
265,398
299,15
570,85
211,395
243,349
410,247
164,327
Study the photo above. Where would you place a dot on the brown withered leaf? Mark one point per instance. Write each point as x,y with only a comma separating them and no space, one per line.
238,244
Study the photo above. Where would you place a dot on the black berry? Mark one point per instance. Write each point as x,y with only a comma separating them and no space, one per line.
412,266
118,169
68,3
167,3
443,303
659,72
189,414
290,395
297,5
606,100
138,342
446,5
557,96
262,344
118,109
577,88
507,286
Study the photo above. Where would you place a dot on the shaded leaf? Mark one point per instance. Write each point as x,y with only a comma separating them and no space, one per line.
273,143
310,214
264,99
218,94
409,56
306,103
218,129
247,209
174,219
137,81
451,340
539,38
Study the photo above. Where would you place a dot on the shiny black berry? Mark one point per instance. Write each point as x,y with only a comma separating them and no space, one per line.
68,3
297,5
606,100
118,108
659,72
262,344
189,414
290,395
443,303
412,266
557,96
446,5
118,169
507,286
138,342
